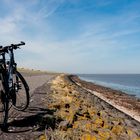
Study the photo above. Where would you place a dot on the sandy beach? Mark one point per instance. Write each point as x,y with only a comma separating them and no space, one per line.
63,107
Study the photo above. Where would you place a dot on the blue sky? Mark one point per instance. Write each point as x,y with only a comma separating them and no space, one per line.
75,36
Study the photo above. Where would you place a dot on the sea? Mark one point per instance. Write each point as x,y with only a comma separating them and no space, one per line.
128,83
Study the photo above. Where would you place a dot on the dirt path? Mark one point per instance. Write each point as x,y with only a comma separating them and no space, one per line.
26,125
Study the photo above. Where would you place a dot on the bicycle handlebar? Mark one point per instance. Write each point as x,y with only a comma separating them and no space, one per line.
15,46
12,46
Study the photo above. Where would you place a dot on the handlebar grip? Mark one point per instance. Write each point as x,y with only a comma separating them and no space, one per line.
22,43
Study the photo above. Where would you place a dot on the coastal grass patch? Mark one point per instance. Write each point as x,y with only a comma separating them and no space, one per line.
78,117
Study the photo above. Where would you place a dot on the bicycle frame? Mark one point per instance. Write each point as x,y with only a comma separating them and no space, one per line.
4,71
11,69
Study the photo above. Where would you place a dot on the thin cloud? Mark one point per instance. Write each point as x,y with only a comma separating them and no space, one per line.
49,8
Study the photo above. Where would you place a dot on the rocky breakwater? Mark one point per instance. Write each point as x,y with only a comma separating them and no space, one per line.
79,115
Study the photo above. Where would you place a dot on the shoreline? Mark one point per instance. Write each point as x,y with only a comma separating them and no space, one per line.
124,102
113,88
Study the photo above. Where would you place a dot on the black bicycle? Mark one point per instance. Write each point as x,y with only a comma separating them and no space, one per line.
14,90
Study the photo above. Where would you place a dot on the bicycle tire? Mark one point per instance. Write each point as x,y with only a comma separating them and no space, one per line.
4,104
22,102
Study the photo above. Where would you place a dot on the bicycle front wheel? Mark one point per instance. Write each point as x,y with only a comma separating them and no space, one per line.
21,96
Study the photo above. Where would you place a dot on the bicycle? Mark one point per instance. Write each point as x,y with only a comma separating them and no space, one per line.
14,88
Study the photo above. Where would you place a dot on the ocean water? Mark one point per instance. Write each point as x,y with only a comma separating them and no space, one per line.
128,83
